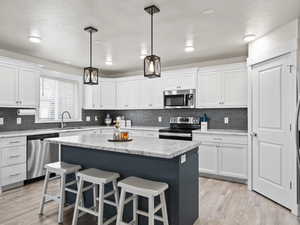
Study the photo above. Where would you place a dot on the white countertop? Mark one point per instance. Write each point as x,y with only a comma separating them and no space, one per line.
17,133
222,132
146,146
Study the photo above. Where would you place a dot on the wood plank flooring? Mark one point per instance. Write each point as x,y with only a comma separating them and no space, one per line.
221,203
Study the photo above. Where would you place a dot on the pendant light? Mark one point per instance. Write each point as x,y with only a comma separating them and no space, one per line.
152,62
90,74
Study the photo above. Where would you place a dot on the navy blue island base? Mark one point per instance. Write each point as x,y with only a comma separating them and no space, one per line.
182,196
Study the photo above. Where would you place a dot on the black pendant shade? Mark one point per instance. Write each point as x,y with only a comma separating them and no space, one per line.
152,66
91,74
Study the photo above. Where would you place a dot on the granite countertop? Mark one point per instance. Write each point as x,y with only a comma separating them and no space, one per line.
222,131
146,146
19,133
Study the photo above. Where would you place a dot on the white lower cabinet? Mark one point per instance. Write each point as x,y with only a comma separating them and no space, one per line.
223,155
12,161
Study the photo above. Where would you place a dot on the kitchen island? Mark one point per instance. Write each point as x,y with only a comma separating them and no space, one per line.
170,161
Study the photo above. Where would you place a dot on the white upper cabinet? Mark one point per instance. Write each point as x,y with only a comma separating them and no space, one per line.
128,94
28,88
107,95
179,79
209,89
223,86
151,94
91,97
8,85
19,87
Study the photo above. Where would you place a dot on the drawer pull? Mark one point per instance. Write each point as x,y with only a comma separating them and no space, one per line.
15,175
14,156
218,139
14,142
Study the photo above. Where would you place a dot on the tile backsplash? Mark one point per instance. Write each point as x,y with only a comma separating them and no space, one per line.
237,118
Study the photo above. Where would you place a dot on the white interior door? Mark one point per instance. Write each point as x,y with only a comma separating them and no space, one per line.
271,126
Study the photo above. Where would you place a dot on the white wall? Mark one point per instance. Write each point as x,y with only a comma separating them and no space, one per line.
278,42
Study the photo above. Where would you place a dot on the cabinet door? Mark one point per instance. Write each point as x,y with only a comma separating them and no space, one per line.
107,95
179,80
28,88
8,85
128,94
151,94
209,90
208,158
91,97
233,161
235,88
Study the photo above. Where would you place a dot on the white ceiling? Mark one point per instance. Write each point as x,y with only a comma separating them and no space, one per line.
124,29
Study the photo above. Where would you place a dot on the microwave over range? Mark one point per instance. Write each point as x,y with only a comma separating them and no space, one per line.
180,98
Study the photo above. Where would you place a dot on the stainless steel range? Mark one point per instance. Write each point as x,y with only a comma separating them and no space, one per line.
181,128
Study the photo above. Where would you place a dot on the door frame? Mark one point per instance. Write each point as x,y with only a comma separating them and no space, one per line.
293,60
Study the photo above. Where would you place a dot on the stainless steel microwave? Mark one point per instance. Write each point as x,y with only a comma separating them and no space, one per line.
180,98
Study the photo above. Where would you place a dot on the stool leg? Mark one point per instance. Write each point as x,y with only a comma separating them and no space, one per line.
101,204
78,199
151,211
164,208
121,207
44,192
95,196
135,208
62,198
116,193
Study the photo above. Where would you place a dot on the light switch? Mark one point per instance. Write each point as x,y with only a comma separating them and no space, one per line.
19,120
183,159
88,119
1,121
159,119
96,118
226,120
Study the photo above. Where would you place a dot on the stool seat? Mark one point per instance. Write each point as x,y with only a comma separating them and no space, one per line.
62,167
98,176
143,187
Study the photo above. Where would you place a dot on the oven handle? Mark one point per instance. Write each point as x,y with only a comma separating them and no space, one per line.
175,134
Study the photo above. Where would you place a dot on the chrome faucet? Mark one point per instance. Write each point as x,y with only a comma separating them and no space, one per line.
62,124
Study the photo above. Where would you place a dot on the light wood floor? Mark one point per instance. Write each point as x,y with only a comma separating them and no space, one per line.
221,203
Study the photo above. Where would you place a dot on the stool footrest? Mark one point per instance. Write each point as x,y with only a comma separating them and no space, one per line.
128,200
54,178
109,194
71,190
110,203
143,213
89,211
157,208
51,198
110,220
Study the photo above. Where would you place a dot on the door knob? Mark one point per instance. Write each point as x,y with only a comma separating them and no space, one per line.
253,134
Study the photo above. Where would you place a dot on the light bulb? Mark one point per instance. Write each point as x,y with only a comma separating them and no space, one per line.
151,67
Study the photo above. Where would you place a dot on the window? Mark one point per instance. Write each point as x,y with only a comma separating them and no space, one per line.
56,96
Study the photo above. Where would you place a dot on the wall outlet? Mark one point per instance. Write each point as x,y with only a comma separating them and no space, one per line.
1,121
96,118
87,118
226,120
19,120
159,119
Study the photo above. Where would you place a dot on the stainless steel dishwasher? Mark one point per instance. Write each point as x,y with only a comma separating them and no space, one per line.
39,154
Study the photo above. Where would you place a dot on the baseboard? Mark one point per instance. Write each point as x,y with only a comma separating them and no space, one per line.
219,177
11,186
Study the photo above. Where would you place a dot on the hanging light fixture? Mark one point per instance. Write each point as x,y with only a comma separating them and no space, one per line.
152,62
90,74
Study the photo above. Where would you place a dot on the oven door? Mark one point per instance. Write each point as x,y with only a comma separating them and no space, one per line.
176,136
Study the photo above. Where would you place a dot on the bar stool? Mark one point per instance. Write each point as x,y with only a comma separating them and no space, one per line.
61,169
99,178
145,188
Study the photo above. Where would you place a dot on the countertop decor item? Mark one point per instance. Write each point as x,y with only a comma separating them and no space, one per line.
152,62
90,74
113,140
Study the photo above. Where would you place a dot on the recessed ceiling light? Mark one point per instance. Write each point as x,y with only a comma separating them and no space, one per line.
249,37
208,11
108,63
35,39
189,49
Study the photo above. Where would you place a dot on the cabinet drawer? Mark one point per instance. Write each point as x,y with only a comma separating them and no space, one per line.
218,138
13,141
12,174
12,155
